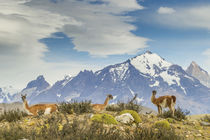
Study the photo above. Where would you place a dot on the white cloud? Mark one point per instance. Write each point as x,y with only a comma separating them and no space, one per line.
166,10
187,17
103,30
99,29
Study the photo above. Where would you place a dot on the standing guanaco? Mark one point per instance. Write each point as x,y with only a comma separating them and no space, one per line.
164,102
101,107
33,110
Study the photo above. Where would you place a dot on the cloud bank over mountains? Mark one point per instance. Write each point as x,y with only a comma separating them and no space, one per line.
100,29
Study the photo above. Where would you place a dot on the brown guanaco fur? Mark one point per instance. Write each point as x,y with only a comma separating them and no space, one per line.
164,102
33,110
101,107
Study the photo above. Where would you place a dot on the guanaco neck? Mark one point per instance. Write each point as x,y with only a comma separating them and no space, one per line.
106,101
26,104
153,99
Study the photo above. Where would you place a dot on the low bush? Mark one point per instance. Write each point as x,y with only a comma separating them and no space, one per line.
130,105
12,115
75,107
179,114
206,118
135,115
104,118
162,124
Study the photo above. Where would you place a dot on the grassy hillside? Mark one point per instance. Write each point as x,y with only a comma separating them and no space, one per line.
77,121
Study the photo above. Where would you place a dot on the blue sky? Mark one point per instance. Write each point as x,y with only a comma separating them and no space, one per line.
58,37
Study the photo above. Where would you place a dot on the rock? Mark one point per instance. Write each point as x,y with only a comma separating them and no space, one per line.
198,135
205,123
125,118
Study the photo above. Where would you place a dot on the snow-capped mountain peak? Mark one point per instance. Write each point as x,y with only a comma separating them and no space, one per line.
147,62
196,71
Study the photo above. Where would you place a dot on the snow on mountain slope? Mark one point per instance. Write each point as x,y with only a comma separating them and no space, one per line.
146,63
154,66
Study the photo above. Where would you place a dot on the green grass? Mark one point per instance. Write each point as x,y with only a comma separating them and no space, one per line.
12,115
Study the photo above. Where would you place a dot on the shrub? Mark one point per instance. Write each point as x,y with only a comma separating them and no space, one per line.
12,115
75,107
130,105
206,118
124,106
104,118
162,124
179,114
135,115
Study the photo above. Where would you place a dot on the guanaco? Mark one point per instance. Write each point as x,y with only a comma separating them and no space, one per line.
33,110
164,102
101,107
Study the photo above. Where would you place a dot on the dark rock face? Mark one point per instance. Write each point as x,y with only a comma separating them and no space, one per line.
40,83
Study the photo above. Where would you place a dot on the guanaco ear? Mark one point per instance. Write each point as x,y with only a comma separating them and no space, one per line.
154,92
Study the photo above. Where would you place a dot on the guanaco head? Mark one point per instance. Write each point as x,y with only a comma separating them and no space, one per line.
154,92
23,97
110,96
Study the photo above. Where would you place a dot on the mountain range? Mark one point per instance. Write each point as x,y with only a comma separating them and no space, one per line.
139,75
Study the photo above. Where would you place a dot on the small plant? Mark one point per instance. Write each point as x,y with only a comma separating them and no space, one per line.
170,120
40,112
12,115
206,118
135,115
104,118
179,114
162,124
75,107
